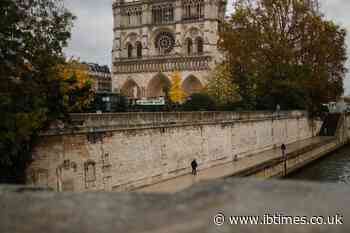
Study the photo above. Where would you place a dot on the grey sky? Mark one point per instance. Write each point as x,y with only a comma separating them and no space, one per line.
93,31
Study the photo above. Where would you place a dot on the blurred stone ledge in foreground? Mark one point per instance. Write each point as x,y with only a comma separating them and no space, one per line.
32,210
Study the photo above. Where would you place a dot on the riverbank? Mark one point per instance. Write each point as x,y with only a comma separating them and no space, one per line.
333,168
266,164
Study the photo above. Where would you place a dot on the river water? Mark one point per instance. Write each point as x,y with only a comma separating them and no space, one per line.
334,168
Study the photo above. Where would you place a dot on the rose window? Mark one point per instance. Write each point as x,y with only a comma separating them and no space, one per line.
165,42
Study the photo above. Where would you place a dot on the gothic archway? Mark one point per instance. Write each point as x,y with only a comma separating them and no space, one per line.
131,90
191,85
158,86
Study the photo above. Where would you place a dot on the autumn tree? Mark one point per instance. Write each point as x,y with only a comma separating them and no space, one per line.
176,93
76,85
32,35
221,87
286,52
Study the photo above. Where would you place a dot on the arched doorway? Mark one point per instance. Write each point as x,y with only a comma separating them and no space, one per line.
158,86
131,90
191,85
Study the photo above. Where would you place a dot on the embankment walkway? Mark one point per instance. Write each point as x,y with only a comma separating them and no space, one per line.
235,168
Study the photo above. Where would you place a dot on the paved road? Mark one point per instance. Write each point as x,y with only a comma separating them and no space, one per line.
227,169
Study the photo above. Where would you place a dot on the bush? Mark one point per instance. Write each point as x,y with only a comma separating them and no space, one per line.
199,102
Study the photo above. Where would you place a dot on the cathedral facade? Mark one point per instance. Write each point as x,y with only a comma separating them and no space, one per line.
154,38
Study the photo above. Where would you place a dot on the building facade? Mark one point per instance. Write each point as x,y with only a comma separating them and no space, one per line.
154,38
101,77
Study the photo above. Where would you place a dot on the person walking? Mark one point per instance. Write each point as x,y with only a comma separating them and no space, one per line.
194,166
284,156
283,149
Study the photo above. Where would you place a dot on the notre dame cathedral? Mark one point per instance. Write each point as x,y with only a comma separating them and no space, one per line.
154,38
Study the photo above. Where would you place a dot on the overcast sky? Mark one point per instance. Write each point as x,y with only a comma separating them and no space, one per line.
93,31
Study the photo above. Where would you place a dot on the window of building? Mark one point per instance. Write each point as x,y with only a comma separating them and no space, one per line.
189,46
139,17
200,47
139,49
165,42
130,50
163,14
132,16
193,9
128,19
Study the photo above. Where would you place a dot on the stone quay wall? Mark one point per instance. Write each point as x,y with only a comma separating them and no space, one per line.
282,166
122,152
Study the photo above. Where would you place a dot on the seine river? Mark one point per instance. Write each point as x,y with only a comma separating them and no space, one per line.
333,168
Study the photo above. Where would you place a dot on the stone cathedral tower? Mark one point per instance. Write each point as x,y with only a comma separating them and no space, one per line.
153,38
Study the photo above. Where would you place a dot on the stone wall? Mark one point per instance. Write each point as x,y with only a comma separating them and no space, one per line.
123,151
294,160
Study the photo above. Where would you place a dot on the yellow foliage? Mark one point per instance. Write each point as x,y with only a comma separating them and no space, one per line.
76,69
176,93
220,86
77,85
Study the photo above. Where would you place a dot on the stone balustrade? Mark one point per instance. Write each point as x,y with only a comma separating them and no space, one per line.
161,64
